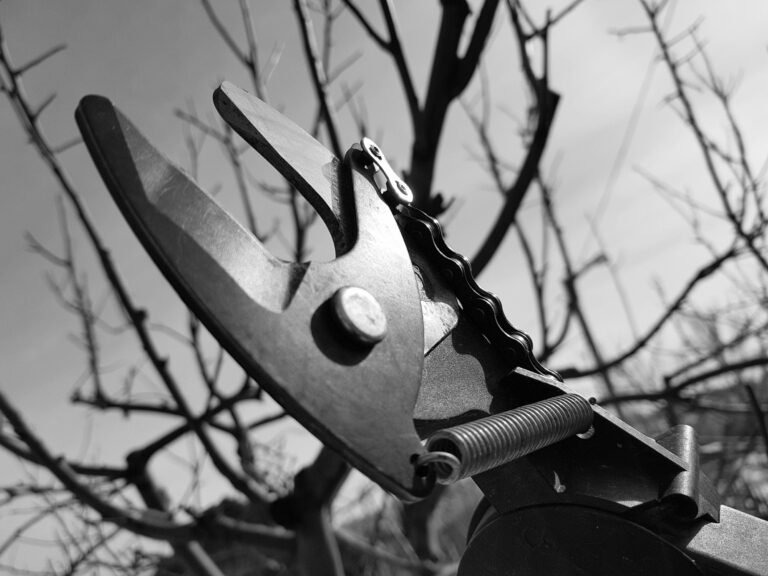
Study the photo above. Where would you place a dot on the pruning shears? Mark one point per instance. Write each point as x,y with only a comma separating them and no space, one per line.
393,356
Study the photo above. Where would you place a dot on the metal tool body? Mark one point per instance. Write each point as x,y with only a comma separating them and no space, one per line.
274,317
394,340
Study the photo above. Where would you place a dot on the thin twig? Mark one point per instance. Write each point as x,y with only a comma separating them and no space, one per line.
273,540
702,273
318,74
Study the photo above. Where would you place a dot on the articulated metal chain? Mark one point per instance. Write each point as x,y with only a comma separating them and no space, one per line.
483,444
483,307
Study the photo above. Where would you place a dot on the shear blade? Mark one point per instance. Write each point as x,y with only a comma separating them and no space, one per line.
273,317
301,160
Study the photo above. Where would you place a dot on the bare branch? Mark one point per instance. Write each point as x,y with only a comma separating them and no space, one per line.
225,137
135,316
675,389
564,12
494,165
224,33
191,552
704,272
267,420
574,301
691,118
616,278
366,24
39,59
439,96
252,62
18,449
67,145
206,129
31,522
546,102
318,74
395,48
342,67
274,540
43,105
468,63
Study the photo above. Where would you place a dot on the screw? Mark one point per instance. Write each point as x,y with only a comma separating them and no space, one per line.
359,315
375,151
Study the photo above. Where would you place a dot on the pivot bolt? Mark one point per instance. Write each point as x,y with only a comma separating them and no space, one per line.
359,315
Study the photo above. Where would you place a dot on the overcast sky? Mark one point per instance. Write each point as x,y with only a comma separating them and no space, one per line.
152,57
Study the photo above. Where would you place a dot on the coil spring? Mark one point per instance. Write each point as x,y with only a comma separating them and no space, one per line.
484,444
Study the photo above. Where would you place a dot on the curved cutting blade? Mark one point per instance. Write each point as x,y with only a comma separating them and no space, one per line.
275,317
308,165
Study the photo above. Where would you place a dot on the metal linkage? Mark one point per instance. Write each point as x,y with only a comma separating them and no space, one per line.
395,191
484,444
483,307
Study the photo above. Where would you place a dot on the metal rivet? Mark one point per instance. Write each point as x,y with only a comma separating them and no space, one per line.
359,314
402,194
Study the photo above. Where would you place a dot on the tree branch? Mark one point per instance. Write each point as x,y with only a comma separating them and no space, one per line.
544,107
395,48
702,273
468,63
272,540
674,390
691,119
318,73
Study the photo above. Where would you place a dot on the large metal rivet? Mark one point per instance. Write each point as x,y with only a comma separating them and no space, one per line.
360,315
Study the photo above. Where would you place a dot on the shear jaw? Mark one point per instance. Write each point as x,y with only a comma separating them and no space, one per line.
277,319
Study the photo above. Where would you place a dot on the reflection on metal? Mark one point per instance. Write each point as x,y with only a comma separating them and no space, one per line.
359,315
690,491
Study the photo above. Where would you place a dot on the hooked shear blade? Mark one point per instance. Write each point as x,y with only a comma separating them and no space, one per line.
300,159
275,317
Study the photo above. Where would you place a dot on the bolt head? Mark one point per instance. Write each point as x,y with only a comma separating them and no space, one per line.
360,315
